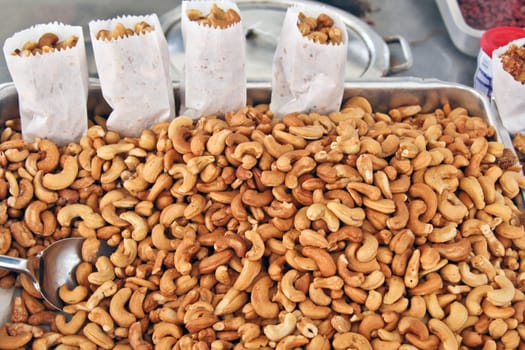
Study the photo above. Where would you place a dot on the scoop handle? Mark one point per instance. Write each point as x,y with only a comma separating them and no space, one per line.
14,264
26,266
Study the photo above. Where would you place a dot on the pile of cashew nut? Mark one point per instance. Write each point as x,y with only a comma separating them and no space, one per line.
354,230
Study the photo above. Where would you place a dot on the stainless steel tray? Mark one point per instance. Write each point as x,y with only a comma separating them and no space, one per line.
368,53
464,37
382,93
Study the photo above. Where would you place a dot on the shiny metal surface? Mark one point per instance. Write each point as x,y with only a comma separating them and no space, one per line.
51,268
368,54
418,21
464,37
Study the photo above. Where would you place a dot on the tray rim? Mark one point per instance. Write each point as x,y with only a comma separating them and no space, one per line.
395,83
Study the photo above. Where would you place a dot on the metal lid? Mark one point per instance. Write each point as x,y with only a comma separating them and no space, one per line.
368,54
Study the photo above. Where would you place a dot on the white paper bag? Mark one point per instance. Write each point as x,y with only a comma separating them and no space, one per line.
307,76
134,75
214,78
52,87
508,93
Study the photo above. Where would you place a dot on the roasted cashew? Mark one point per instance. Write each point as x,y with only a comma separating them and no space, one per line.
365,168
350,216
470,278
125,254
257,250
135,337
291,342
322,259
121,316
432,284
472,187
232,301
48,340
444,333
402,214
260,298
281,330
288,288
320,211
108,152
184,252
442,178
373,280
105,271
509,231
451,207
140,226
416,208
152,168
49,155
504,295
372,192
164,330
313,238
197,164
22,235
64,178
94,333
188,178
250,270
356,265
385,206
457,316
351,340
396,289
73,296
456,251
23,195
370,324
32,216
284,137
14,341
443,234
216,142
313,311
102,317
511,182
85,212
368,250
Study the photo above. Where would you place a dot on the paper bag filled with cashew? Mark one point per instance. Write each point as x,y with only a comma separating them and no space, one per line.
309,62
508,79
214,79
131,55
47,63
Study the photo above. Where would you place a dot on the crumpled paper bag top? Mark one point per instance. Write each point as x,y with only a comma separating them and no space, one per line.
307,76
214,78
508,93
134,75
52,87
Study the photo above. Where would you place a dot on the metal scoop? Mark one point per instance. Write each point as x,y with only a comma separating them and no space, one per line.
50,268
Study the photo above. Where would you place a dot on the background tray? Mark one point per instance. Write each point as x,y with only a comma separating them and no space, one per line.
368,53
464,37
